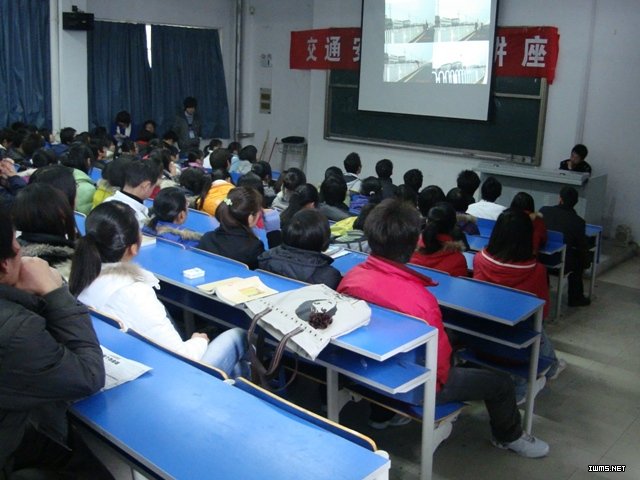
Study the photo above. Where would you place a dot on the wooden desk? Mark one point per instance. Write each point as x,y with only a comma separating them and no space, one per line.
179,422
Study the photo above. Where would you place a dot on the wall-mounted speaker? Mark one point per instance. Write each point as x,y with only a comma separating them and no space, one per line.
77,21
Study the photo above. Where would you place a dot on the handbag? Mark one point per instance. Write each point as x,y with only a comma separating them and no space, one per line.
290,316
290,312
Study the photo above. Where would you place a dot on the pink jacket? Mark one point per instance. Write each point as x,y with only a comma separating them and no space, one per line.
393,285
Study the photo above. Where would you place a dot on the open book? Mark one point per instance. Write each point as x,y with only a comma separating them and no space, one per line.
238,290
291,310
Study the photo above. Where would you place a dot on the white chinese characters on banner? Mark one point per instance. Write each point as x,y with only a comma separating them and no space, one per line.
356,49
311,49
534,52
332,49
501,50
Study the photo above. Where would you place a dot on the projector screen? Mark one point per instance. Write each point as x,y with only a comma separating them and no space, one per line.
427,57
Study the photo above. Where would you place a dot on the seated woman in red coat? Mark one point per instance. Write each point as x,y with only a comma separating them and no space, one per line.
438,249
392,230
508,260
523,201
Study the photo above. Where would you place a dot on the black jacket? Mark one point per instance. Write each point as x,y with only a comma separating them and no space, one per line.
234,243
49,356
304,265
572,226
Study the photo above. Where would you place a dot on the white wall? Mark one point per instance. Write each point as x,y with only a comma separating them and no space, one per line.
267,29
70,105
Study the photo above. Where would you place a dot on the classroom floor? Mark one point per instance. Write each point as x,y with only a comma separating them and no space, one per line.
589,415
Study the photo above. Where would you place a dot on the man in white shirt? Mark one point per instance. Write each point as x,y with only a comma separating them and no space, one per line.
487,208
140,180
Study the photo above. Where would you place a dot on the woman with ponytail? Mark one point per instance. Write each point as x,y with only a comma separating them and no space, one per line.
168,214
104,278
439,250
237,214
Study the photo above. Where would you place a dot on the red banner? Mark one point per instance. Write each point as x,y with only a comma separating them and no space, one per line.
326,49
519,51
526,52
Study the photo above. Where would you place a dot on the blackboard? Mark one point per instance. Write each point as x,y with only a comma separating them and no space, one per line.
514,131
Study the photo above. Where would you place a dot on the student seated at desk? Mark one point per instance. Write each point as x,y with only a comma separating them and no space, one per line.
50,357
439,250
393,229
333,192
300,257
508,260
48,228
139,181
523,201
487,207
563,218
214,190
103,277
237,214
466,222
168,214
291,179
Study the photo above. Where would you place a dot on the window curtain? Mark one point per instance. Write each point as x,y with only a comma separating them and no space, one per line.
25,72
187,62
119,74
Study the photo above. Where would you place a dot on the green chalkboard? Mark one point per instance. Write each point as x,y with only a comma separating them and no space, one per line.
513,132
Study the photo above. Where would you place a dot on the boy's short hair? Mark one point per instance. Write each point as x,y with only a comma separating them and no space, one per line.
308,229
190,102
392,230
352,163
413,178
139,171
491,189
333,190
468,181
384,169
580,150
569,196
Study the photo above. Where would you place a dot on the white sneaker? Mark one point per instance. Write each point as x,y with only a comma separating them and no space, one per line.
561,365
526,446
396,421
537,387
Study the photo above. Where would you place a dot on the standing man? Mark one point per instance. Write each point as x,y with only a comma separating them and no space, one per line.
563,218
187,126
50,357
576,162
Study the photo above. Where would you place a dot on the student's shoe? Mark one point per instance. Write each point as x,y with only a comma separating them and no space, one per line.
396,421
559,367
580,302
526,446
441,433
537,386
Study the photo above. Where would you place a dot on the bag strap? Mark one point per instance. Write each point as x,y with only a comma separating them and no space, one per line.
259,372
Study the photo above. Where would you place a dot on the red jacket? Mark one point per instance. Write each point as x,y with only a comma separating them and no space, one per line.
395,286
449,259
528,276
539,232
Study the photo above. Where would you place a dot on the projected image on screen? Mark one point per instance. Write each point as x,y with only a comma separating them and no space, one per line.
431,41
427,57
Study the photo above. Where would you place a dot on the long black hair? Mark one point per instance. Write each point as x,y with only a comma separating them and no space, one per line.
301,196
42,208
441,220
511,238
234,211
167,205
111,228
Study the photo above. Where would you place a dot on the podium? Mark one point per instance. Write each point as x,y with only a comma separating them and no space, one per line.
544,186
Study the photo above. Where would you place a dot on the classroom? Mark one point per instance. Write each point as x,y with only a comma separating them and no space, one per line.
593,100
